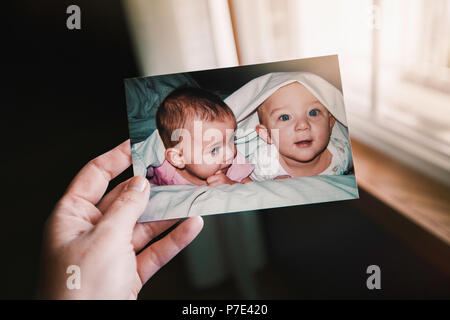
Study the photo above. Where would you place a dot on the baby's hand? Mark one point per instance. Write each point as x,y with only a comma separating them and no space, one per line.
282,177
245,180
218,178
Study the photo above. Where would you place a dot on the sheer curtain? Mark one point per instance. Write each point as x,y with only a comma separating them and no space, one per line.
181,35
395,65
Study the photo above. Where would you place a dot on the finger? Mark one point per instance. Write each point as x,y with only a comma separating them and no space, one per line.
282,177
212,179
146,231
91,182
214,183
143,232
109,198
157,255
122,214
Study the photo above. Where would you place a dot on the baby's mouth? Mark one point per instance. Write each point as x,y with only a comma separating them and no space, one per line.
303,143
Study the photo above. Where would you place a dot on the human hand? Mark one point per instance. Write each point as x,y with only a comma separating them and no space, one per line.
100,234
282,177
218,178
245,180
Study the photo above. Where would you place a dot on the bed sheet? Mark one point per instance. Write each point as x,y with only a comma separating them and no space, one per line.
167,202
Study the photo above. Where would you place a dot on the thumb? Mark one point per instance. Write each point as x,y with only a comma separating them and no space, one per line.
129,205
218,172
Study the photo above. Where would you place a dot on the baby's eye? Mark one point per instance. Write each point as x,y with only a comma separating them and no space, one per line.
284,117
215,151
314,113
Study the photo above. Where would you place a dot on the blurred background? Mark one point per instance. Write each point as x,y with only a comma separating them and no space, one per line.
394,57
63,104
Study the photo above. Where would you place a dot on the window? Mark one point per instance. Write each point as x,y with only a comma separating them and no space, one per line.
394,58
414,70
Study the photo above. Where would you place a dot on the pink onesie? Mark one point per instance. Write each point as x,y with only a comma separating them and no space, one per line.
166,174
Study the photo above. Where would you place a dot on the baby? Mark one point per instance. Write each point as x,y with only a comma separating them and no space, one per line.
299,126
197,129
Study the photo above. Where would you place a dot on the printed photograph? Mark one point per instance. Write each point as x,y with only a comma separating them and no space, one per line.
241,138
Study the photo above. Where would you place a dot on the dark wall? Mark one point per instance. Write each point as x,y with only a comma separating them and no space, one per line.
62,103
61,80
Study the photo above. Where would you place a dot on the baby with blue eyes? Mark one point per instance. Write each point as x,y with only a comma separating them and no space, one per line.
295,124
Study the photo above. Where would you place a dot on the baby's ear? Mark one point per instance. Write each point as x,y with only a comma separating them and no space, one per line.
332,121
263,133
175,157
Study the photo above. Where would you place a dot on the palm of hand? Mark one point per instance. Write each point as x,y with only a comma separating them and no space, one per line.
100,235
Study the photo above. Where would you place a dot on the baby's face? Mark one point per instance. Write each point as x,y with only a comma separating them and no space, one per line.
211,147
304,124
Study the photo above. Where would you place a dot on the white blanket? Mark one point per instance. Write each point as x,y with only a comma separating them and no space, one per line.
181,201
167,202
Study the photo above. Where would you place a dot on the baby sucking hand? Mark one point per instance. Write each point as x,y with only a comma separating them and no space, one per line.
218,178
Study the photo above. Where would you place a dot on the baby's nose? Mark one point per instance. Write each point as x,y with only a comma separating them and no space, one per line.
302,124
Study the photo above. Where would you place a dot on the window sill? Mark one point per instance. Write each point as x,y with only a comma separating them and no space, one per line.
402,144
423,201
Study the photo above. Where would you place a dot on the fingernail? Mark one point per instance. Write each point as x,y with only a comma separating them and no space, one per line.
138,184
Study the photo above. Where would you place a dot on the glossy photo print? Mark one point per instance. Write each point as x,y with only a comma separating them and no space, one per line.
241,138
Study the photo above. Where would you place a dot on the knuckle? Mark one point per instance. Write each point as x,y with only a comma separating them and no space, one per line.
98,164
128,197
